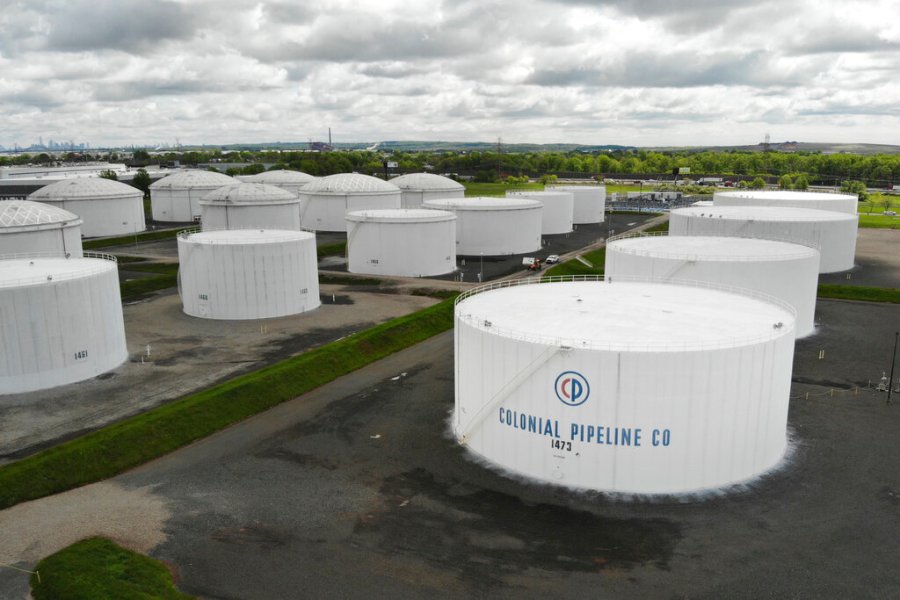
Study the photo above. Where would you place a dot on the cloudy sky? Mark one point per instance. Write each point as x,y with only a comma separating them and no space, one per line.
641,72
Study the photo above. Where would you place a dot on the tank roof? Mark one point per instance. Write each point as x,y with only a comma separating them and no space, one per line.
400,215
193,178
21,272
764,213
250,193
245,236
790,195
626,316
483,203
711,248
84,188
349,183
426,182
537,195
25,213
281,176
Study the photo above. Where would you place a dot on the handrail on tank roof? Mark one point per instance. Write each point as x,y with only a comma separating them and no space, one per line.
640,234
67,255
184,233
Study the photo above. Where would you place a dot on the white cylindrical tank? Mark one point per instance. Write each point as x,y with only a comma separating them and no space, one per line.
106,207
558,210
248,274
833,233
415,188
844,203
250,206
325,202
60,321
624,387
406,242
590,202
286,179
32,227
488,226
176,198
780,269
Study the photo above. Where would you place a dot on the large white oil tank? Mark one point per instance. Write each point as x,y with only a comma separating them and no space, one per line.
590,202
559,207
60,321
416,188
28,227
176,198
833,233
250,206
325,202
247,274
844,203
413,242
623,387
286,179
487,226
106,207
780,269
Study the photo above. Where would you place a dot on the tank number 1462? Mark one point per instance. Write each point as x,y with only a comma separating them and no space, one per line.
561,445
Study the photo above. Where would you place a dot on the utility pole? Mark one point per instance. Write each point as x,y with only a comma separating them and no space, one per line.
893,360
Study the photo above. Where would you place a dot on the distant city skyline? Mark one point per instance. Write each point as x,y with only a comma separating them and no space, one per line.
628,72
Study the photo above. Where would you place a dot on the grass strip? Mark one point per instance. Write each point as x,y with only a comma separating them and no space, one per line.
98,568
499,189
878,221
126,444
348,280
331,249
161,268
575,267
145,285
859,292
147,236
664,226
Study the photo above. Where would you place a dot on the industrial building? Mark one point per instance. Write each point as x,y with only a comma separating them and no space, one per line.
559,208
61,321
325,202
286,179
176,198
106,207
844,203
416,188
589,202
405,242
31,227
250,206
832,233
487,226
782,270
247,274
624,387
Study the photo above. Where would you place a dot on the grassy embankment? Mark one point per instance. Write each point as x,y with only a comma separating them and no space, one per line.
121,446
595,257
871,212
859,292
98,568
499,189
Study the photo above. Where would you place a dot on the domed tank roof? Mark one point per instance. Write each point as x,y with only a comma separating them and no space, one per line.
249,193
84,188
281,176
350,183
25,213
426,182
193,179
400,215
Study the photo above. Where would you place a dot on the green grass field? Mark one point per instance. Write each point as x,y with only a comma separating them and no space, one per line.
126,444
575,267
498,189
97,568
859,292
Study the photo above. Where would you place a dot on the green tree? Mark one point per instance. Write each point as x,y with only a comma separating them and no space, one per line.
141,181
109,174
855,187
801,182
758,183
141,156
785,182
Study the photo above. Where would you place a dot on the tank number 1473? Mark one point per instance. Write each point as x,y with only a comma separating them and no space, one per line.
561,445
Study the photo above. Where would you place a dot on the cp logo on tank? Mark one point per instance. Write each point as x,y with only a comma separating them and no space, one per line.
572,388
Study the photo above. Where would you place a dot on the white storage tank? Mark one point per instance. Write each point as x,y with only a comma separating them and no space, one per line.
29,227
487,226
558,210
783,270
176,198
106,207
833,233
590,202
250,206
844,203
325,202
286,179
60,321
413,242
415,188
247,274
623,387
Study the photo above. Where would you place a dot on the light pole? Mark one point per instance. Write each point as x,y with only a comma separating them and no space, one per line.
893,360
481,267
